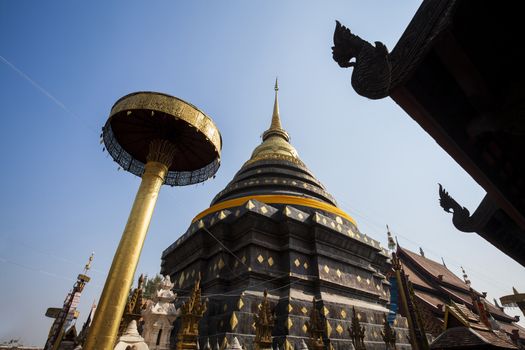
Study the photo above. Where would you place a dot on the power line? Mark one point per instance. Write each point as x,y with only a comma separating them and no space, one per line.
39,270
488,279
49,254
47,94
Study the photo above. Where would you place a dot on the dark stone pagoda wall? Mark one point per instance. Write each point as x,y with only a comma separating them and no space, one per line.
294,253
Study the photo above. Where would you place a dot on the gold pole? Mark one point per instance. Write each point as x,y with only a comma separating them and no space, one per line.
103,331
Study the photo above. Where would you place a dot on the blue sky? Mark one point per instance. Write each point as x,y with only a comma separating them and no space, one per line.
64,63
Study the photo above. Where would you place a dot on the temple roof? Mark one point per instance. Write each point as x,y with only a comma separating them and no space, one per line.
424,274
471,334
434,269
464,338
275,168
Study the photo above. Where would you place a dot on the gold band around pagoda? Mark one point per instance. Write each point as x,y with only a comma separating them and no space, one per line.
276,199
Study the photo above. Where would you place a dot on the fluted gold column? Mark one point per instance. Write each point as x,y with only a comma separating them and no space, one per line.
103,331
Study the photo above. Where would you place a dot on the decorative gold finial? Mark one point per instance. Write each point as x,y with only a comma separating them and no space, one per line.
191,313
276,118
264,323
315,328
465,277
88,265
134,306
276,128
391,243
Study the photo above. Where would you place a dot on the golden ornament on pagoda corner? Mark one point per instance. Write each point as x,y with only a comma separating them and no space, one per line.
190,314
315,328
264,322
164,140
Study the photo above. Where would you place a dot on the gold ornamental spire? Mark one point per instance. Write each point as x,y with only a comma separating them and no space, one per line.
276,128
276,119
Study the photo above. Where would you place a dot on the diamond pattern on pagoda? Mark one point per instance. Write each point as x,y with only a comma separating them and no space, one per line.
217,217
270,261
289,323
260,259
240,304
257,207
326,312
233,321
294,213
207,221
297,262
346,228
328,328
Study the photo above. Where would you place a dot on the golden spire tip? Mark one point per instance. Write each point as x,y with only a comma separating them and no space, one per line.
276,119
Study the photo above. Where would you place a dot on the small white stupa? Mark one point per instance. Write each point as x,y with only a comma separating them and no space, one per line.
131,339
159,316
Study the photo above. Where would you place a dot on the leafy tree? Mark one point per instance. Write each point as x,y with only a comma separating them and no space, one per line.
150,286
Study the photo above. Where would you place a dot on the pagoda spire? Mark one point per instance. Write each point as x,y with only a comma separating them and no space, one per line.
276,118
276,128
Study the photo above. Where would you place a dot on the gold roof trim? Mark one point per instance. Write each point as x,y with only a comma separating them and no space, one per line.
173,106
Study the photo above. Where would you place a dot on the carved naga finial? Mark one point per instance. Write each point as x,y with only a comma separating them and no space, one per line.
449,204
372,68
